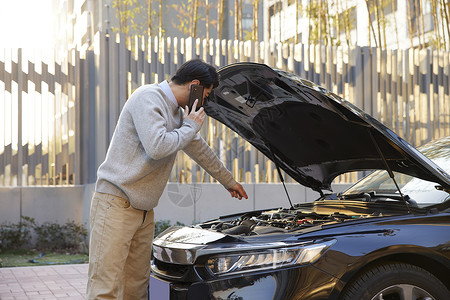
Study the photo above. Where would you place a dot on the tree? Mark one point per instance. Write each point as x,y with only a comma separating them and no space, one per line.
410,24
187,14
437,39
297,12
337,24
207,6
376,8
417,23
237,19
319,20
152,14
160,29
444,17
255,20
439,12
220,14
311,19
394,8
194,18
382,20
149,18
126,11
445,12
348,22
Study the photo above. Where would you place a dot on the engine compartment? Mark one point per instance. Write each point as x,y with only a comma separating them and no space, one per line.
275,221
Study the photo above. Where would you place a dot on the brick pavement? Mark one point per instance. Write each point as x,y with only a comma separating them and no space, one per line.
44,282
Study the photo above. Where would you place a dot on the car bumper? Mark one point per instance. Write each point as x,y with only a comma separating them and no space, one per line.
296,283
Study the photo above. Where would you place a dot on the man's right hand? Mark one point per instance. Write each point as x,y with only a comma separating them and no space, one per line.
197,116
237,191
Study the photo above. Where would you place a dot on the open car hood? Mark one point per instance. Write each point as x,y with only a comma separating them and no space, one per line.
311,133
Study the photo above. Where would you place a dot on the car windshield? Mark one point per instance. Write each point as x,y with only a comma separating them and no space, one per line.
422,191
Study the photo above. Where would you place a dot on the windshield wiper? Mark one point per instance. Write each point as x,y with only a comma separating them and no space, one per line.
367,197
400,197
372,196
388,169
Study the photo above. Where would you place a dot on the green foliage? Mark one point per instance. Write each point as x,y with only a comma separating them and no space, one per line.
160,226
52,236
126,12
248,35
185,12
16,236
49,236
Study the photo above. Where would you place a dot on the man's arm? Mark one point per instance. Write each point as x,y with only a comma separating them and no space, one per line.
151,126
203,155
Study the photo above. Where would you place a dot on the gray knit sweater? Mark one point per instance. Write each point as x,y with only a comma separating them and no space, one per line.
148,135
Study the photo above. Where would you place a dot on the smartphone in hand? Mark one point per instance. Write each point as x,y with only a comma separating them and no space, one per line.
196,93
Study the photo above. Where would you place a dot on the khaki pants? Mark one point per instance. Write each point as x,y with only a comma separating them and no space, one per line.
119,249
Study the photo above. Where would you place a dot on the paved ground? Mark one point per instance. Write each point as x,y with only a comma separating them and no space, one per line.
44,282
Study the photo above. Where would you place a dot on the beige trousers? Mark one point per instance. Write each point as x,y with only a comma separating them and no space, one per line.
119,249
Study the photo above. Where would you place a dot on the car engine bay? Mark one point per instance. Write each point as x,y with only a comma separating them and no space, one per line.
275,221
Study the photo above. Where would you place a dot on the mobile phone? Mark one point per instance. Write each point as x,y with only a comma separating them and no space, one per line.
195,93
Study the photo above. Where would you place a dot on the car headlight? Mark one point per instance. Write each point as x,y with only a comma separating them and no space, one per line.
267,258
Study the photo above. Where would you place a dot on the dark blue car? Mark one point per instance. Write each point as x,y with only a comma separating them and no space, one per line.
386,237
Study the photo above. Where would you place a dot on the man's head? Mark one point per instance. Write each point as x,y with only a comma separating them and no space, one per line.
191,72
196,69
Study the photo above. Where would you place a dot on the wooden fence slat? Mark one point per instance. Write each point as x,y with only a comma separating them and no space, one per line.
122,71
409,96
3,160
77,119
356,67
402,62
387,95
114,84
393,91
19,81
444,93
366,59
416,95
102,99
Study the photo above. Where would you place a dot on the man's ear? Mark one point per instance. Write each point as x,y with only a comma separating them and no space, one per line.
195,81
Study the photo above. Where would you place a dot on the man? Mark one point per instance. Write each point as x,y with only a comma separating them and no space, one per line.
151,129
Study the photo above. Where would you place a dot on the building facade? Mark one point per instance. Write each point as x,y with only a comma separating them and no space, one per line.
407,23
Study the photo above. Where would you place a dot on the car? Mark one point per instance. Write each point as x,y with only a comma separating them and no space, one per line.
385,237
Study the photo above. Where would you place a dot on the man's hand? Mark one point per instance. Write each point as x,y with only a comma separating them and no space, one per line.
237,191
197,116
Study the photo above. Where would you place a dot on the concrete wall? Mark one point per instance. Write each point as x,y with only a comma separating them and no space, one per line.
186,203
45,204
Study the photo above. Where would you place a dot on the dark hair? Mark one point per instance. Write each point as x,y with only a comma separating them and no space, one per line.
196,69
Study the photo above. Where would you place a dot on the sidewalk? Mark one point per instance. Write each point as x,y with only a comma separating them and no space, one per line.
44,282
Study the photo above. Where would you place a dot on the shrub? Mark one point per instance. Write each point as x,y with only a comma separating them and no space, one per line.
16,236
69,237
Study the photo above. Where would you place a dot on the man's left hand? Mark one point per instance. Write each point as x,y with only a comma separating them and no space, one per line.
237,191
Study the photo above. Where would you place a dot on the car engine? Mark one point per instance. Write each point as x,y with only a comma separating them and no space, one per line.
273,221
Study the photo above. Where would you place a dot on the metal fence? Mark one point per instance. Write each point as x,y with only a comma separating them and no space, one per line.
60,110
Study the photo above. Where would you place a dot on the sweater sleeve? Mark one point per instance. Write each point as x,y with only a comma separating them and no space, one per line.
150,114
203,155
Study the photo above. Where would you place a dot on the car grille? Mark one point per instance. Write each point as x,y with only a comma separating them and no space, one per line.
172,271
